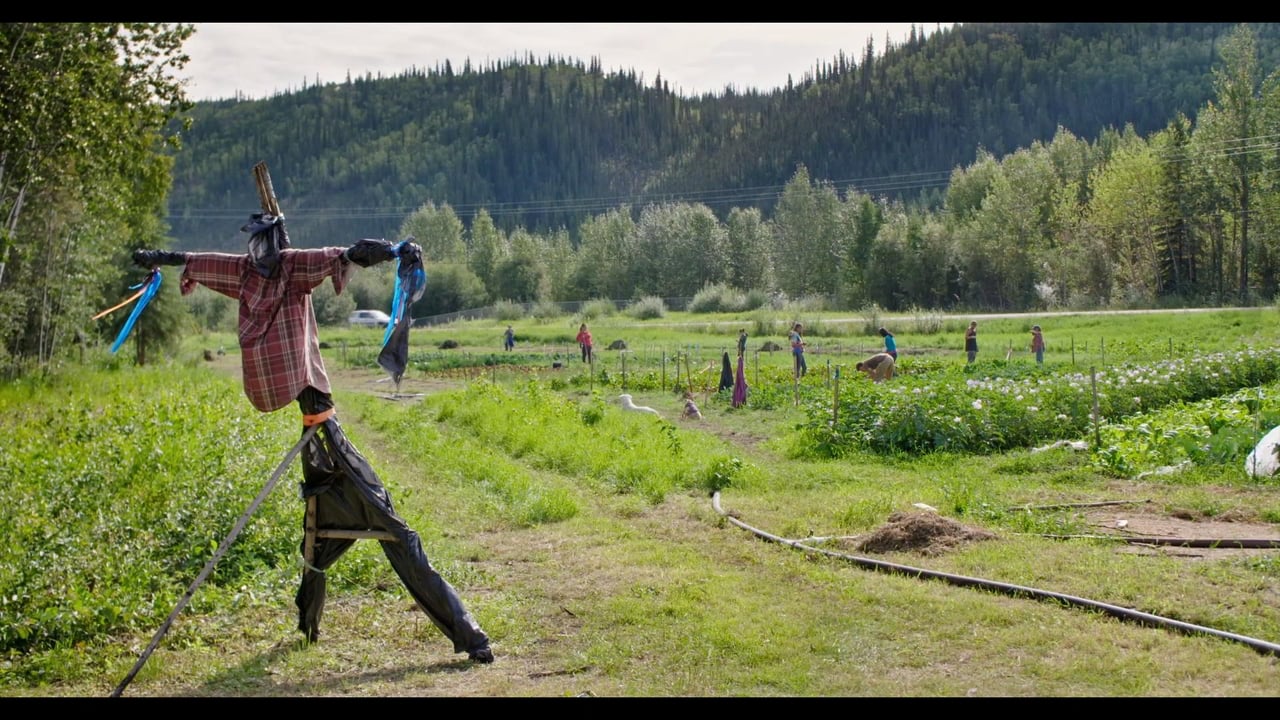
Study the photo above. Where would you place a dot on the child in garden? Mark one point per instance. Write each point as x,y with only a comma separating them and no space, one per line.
971,340
1037,344
584,342
797,351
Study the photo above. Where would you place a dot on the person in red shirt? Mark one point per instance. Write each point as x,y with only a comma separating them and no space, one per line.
281,363
584,342
1037,344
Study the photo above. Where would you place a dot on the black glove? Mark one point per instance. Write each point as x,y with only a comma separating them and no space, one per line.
153,258
410,251
370,252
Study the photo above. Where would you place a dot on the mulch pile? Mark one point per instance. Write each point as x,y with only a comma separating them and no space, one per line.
925,532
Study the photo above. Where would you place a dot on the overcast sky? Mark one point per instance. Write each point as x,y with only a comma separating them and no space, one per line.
257,60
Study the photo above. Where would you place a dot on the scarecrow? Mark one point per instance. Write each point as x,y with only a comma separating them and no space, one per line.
740,383
281,363
726,374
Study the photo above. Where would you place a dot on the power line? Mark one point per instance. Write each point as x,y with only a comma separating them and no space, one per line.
750,196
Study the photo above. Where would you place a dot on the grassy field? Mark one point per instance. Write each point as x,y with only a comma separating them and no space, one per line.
612,554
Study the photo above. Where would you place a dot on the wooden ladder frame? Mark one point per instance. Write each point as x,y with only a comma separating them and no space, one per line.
312,532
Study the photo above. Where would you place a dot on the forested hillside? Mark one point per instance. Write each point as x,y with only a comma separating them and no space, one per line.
547,143
982,167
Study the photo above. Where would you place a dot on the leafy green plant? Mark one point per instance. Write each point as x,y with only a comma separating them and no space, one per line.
508,311
647,308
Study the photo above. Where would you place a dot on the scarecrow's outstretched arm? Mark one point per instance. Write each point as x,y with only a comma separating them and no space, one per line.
154,258
371,252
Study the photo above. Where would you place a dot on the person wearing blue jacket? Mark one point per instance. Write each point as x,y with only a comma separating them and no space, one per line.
890,346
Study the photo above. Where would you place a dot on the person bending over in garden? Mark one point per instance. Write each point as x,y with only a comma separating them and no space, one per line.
281,363
878,367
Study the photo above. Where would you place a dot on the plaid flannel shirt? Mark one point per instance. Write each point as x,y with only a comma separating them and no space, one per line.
279,342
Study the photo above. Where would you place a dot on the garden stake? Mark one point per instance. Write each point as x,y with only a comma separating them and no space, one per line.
222,549
835,400
1097,434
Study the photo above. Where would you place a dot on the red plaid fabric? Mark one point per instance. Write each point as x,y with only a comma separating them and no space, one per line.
279,342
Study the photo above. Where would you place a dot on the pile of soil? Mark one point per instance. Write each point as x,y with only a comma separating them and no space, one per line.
925,532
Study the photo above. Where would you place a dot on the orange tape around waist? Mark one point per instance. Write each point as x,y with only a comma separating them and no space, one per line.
309,420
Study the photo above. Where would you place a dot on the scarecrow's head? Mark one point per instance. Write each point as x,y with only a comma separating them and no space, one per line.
267,237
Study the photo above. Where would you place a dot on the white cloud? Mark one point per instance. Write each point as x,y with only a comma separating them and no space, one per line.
257,60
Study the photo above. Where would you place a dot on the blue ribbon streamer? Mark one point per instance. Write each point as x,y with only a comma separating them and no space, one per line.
153,286
401,295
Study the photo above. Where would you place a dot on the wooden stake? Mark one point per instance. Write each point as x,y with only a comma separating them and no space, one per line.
266,193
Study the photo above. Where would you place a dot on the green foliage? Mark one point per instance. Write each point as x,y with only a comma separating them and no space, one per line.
88,122
925,322
329,307
926,412
626,452
596,309
647,308
872,319
507,311
719,297
120,486
546,311
1217,431
450,287
122,481
722,473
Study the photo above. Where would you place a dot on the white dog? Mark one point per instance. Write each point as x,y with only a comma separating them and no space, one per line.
628,405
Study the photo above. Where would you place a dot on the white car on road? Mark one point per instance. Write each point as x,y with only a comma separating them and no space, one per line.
369,318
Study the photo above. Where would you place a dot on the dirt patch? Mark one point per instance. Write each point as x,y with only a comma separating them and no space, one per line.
927,533
1135,524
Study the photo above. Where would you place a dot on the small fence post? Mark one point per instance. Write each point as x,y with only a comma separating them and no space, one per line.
835,400
1097,433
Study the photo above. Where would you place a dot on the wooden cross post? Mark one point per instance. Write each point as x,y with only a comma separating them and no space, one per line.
266,193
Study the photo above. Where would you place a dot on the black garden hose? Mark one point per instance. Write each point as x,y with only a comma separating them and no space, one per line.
1139,617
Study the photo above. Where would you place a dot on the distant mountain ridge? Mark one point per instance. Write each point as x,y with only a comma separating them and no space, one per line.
547,144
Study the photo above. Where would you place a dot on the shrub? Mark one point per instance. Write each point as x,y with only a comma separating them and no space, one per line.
810,303
756,299
718,297
546,310
871,320
649,308
597,308
506,311
925,322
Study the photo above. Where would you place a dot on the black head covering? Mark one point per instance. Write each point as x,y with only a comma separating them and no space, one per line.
267,237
